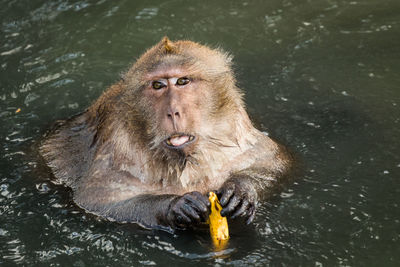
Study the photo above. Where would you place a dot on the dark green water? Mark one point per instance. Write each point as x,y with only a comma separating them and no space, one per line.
321,76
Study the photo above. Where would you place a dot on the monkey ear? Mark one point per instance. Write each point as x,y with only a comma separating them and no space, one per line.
167,45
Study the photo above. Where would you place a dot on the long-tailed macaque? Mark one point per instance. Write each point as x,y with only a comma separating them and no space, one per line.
172,129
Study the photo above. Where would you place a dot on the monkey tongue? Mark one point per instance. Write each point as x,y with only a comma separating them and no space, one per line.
179,140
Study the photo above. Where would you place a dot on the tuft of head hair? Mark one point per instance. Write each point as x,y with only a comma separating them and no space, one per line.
167,45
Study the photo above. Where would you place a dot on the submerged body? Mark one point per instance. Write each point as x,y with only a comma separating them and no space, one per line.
152,146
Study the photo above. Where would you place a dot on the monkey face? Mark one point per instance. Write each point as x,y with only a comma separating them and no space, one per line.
178,103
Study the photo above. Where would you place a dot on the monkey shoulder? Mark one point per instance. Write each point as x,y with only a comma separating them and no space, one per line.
265,158
66,149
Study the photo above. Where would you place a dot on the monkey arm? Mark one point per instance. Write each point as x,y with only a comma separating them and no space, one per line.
239,195
148,208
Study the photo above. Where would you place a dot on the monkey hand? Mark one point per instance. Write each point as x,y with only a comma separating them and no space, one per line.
238,198
188,209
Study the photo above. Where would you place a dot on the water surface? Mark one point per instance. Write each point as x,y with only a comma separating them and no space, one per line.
321,76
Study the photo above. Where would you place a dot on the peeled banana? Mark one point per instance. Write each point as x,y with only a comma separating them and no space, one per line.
218,225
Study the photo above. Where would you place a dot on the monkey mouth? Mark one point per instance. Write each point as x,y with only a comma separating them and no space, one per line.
178,141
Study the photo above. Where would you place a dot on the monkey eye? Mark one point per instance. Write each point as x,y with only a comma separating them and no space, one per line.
182,81
157,85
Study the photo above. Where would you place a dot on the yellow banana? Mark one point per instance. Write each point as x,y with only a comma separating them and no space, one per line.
218,225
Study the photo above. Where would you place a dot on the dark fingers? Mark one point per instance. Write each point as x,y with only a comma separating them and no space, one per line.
226,195
251,214
242,210
231,207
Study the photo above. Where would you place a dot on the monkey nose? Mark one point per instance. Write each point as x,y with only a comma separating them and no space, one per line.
173,113
174,116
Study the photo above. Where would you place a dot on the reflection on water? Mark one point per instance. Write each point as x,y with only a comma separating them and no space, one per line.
320,76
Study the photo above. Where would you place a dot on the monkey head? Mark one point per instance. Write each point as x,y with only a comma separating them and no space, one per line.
183,94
